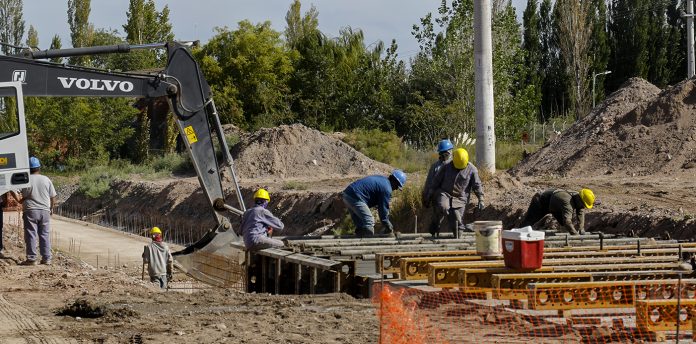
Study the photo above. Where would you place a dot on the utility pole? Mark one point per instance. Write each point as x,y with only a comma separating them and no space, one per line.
690,38
483,60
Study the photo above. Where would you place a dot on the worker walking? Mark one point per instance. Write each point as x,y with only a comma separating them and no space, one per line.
561,204
258,224
159,259
452,187
444,151
38,200
372,192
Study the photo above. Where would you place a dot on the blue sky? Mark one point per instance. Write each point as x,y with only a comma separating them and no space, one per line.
196,19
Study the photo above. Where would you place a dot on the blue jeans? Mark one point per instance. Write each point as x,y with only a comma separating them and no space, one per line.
360,214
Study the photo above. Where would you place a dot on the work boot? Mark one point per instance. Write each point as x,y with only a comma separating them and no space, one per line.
46,262
28,262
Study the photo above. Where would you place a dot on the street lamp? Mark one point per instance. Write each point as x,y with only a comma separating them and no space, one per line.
594,78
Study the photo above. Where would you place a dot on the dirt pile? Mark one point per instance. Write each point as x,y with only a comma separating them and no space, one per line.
296,152
638,130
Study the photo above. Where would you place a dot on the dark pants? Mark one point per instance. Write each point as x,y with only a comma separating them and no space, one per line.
538,208
535,212
443,207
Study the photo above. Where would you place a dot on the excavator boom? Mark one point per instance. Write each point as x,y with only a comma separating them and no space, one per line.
189,96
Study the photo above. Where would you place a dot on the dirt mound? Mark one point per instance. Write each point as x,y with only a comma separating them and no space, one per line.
636,131
300,153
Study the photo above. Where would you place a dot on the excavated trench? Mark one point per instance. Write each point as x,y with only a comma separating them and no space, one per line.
179,207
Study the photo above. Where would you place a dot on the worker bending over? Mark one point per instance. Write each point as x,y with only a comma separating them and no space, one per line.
452,187
561,204
258,224
159,259
372,192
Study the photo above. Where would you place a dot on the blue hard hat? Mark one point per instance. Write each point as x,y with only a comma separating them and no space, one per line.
34,162
400,177
444,145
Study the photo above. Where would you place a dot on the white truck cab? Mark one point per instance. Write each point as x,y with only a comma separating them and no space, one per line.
14,152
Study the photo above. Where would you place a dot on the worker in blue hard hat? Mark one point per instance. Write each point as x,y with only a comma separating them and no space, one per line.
444,151
453,185
38,201
371,192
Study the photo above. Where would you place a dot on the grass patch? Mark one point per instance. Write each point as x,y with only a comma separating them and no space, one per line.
96,180
294,185
508,154
408,203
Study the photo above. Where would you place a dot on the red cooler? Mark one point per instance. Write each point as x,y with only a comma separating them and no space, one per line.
523,248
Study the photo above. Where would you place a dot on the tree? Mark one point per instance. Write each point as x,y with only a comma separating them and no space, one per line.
599,45
532,48
554,89
56,44
80,28
441,82
11,24
251,58
32,38
147,25
575,31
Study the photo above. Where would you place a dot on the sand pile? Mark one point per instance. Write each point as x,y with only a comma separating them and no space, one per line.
300,153
638,130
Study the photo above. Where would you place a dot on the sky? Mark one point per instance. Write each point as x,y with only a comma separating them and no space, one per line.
196,19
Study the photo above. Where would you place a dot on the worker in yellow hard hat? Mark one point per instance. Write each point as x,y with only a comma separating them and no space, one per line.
561,204
259,224
158,258
453,185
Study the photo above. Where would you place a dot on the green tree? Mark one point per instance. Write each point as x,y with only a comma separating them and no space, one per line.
251,58
145,24
532,47
32,37
11,24
441,82
554,94
81,29
56,44
599,46
575,31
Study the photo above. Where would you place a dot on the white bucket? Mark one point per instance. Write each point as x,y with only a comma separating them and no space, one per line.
488,241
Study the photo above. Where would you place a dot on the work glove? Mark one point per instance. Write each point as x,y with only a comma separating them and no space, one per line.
480,204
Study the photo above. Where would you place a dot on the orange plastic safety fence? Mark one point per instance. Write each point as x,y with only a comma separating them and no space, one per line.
583,312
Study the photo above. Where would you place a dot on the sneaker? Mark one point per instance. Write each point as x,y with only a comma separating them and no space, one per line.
28,262
46,262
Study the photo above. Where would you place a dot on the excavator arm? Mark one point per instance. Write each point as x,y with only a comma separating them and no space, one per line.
189,97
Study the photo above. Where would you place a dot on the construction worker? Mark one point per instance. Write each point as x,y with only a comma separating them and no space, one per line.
258,224
444,151
371,192
159,259
37,201
561,204
453,185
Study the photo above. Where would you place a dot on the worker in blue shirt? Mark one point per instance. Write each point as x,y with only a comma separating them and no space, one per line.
372,192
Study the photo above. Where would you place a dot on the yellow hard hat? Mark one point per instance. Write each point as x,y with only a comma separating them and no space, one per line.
262,194
587,197
155,230
460,157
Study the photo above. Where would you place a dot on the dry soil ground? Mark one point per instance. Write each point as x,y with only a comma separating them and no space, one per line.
126,309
